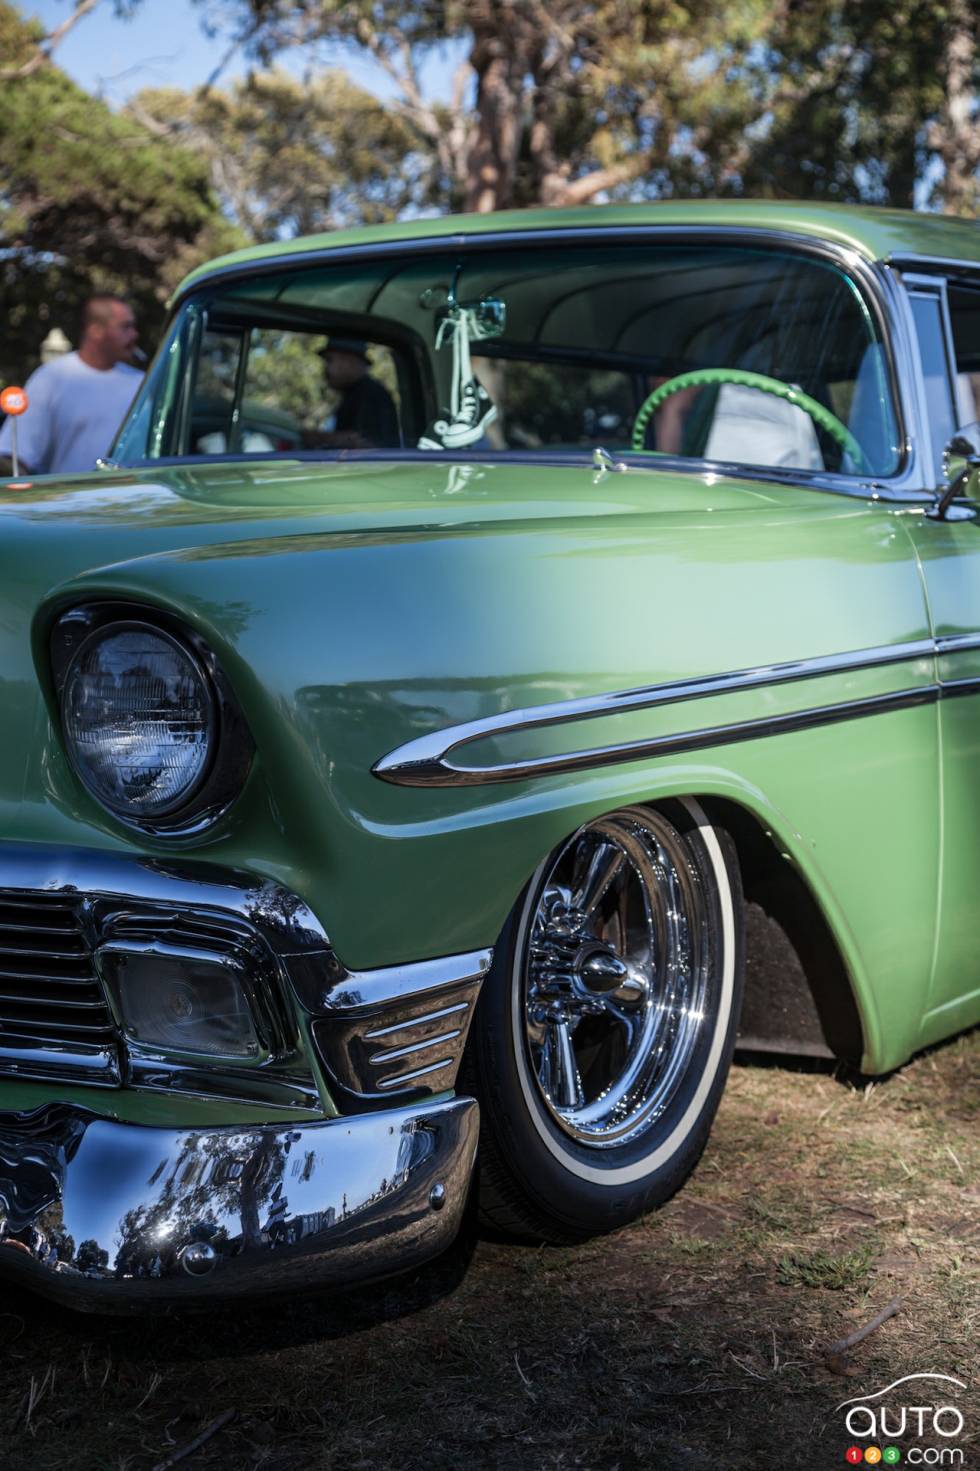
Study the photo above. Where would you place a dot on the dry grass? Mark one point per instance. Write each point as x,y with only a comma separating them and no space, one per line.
696,1338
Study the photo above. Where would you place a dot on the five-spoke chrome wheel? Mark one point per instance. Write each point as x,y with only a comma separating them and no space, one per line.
606,1028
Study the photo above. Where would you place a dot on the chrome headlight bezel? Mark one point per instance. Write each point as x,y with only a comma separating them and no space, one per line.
230,746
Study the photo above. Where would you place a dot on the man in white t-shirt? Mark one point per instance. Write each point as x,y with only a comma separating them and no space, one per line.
77,402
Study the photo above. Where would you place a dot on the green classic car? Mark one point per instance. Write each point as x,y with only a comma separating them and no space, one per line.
476,619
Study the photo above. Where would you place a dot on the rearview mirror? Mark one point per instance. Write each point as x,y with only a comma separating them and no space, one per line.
485,318
491,316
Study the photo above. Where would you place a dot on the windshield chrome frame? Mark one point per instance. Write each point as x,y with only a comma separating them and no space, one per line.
879,284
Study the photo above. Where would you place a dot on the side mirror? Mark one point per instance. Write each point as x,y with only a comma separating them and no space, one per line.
961,464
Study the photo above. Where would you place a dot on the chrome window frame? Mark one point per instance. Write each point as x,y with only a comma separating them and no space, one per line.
933,274
933,286
877,282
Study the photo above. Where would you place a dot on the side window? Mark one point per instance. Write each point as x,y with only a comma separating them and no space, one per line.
213,405
927,314
964,316
270,390
302,390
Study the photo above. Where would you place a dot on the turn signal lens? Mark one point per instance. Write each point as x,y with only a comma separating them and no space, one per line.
181,1002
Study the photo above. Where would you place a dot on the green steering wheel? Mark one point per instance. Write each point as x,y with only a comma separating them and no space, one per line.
703,376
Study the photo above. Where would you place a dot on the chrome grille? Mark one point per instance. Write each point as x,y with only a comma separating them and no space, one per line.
52,1004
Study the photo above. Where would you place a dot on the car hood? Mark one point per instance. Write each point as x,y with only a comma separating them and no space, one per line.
177,504
55,530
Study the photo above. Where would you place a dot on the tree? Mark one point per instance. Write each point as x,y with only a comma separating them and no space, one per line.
555,103
561,101
953,134
867,102
88,201
43,45
290,158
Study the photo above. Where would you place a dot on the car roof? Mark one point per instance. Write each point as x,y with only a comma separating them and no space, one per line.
875,234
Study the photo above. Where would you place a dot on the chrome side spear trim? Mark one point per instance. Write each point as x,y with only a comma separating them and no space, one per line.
426,760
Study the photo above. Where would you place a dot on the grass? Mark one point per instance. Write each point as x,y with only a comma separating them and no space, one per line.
695,1338
838,1271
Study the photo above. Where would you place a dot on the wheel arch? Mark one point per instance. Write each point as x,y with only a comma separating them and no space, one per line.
800,997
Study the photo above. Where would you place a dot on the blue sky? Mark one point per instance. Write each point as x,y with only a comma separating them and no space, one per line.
163,46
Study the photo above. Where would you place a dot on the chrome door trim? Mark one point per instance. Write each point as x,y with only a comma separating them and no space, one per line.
426,761
957,643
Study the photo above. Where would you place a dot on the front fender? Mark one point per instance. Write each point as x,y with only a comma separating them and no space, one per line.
344,647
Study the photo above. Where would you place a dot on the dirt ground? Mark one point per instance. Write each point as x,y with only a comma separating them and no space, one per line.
696,1338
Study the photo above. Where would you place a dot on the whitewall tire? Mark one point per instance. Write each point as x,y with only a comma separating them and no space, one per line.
606,1027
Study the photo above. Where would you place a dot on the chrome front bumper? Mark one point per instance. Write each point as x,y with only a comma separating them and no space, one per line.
105,1216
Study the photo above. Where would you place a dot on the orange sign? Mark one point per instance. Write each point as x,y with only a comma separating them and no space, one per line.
13,401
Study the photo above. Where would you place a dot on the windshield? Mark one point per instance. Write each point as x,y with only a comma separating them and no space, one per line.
750,356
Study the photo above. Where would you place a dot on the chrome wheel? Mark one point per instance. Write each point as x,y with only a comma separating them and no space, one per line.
606,1027
617,977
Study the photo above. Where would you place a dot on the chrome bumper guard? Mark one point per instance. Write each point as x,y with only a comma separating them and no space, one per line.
105,1216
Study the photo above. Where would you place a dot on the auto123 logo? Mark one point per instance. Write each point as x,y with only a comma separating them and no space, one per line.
914,1421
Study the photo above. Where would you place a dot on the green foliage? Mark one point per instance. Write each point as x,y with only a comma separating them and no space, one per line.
88,201
851,88
290,158
541,405
561,102
285,372
555,102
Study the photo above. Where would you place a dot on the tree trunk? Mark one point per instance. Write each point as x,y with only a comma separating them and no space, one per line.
501,58
956,136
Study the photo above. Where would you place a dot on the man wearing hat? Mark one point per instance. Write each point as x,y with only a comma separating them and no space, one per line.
366,416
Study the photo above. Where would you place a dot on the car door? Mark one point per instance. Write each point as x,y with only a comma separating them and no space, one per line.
946,313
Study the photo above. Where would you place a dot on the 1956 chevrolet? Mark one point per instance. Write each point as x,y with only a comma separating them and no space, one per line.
473,616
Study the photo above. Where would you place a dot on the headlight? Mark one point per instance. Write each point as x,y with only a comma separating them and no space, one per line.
151,725
139,720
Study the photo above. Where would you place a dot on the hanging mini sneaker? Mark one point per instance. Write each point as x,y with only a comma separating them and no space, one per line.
476,410
472,408
429,439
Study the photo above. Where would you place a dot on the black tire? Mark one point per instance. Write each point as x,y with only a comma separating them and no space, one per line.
561,1171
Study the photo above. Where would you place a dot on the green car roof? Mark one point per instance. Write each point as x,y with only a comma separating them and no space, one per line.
874,233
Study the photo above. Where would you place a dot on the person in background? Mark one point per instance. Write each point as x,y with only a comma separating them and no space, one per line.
77,402
366,416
